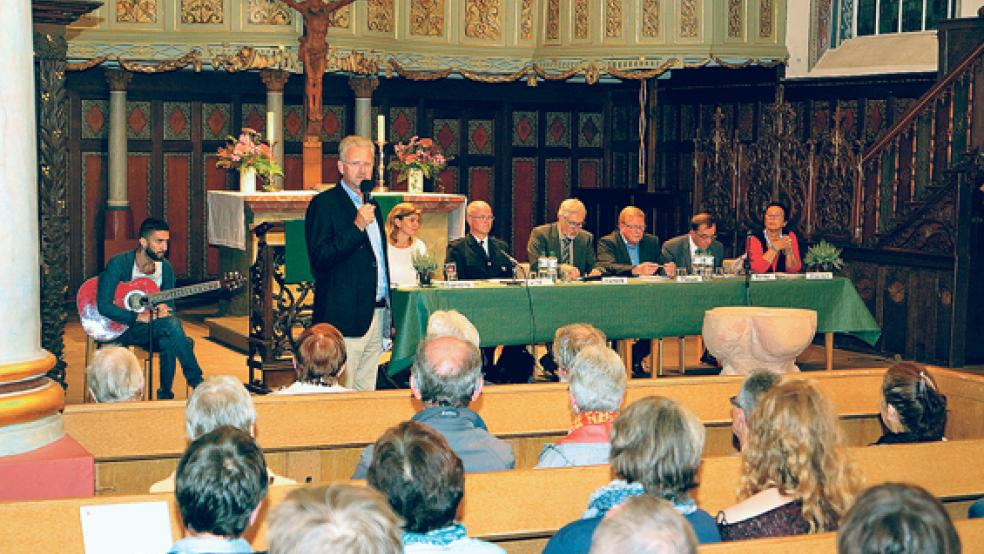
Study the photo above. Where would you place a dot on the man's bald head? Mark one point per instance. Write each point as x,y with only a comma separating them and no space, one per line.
447,371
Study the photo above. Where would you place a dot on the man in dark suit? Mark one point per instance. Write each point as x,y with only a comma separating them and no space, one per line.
630,250
478,255
566,240
700,241
348,259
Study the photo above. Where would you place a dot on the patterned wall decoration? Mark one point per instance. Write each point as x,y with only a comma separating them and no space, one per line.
293,123
589,173
621,123
482,19
820,22
736,18
688,121
446,133
448,181
582,19
341,19
177,184
558,185
136,11
268,12
481,183
589,130
380,16
558,129
524,183
427,18
766,18
202,11
94,181
820,122
481,137
524,125
138,120
846,25
553,20
216,119
95,119
746,121
650,18
254,117
849,118
613,18
526,20
688,18
875,122
402,123
138,184
333,123
177,121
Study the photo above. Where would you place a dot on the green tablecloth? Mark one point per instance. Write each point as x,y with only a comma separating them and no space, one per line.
519,315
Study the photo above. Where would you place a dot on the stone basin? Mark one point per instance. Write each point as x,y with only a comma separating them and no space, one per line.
744,338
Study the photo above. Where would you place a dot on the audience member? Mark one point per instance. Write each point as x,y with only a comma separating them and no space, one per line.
569,340
423,480
912,408
450,323
341,519
114,375
656,448
976,509
446,377
755,384
221,480
219,400
644,525
596,390
796,478
319,360
896,518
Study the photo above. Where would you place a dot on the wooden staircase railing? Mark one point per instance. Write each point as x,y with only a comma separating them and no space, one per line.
902,169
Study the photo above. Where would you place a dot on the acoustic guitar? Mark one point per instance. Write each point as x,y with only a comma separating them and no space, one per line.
136,296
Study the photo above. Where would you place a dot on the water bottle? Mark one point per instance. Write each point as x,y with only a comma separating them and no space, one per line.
552,268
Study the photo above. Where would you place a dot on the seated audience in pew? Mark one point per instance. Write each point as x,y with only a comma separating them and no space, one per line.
896,518
596,392
115,375
644,525
755,384
976,509
912,408
219,401
319,361
796,478
424,481
446,377
656,449
450,323
221,481
569,340
340,519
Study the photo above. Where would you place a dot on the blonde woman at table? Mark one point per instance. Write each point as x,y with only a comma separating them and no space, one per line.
402,225
780,251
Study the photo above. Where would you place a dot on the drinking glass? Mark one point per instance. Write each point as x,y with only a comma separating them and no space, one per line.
450,271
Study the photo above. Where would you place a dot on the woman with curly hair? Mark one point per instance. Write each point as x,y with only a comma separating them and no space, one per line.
912,408
796,478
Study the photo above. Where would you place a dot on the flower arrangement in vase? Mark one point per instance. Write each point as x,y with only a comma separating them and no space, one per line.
250,155
416,159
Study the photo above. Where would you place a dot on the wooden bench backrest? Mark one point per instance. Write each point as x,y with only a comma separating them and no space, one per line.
535,503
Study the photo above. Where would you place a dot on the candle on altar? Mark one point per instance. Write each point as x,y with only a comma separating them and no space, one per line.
269,129
380,128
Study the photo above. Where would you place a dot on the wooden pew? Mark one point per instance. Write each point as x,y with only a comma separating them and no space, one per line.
318,438
522,508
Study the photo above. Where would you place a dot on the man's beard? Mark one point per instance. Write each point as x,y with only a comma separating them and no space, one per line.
153,255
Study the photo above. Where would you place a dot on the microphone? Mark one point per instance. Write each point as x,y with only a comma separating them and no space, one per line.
513,261
365,187
747,263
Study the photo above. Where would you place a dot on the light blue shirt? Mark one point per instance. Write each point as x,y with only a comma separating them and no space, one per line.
376,239
211,545
633,250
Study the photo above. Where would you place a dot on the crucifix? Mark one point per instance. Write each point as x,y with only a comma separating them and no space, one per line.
313,53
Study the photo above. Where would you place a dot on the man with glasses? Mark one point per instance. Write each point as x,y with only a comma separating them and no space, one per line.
700,241
566,240
478,255
630,250
348,260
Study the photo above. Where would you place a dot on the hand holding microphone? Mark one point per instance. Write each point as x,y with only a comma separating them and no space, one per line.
366,213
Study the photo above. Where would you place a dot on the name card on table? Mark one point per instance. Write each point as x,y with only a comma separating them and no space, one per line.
539,283
690,279
763,277
459,284
819,275
615,280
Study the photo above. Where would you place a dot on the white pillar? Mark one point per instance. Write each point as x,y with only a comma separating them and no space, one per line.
363,87
275,79
118,80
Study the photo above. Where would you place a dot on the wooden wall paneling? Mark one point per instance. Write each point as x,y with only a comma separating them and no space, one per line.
177,185
214,179
524,192
138,184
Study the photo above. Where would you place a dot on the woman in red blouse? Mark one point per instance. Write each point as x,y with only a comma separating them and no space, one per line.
780,251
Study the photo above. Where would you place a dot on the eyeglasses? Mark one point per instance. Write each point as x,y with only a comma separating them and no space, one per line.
359,165
640,228
706,237
483,217
572,223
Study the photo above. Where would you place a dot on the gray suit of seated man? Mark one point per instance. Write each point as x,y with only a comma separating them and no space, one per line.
702,239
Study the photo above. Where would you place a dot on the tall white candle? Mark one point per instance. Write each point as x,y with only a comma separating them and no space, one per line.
269,128
380,128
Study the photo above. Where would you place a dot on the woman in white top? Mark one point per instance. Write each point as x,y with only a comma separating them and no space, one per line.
402,225
319,360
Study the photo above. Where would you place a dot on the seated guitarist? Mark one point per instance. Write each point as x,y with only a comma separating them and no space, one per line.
169,337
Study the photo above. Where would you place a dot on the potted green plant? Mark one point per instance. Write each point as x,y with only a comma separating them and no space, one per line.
424,264
823,256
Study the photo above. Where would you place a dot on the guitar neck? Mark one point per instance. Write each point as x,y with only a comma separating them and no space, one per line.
181,292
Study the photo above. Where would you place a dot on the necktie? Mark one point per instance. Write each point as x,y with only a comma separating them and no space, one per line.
707,251
485,247
565,251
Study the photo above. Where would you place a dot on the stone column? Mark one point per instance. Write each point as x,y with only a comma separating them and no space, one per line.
275,79
118,227
29,401
363,87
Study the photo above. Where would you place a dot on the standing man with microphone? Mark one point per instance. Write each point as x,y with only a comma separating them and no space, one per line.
348,260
